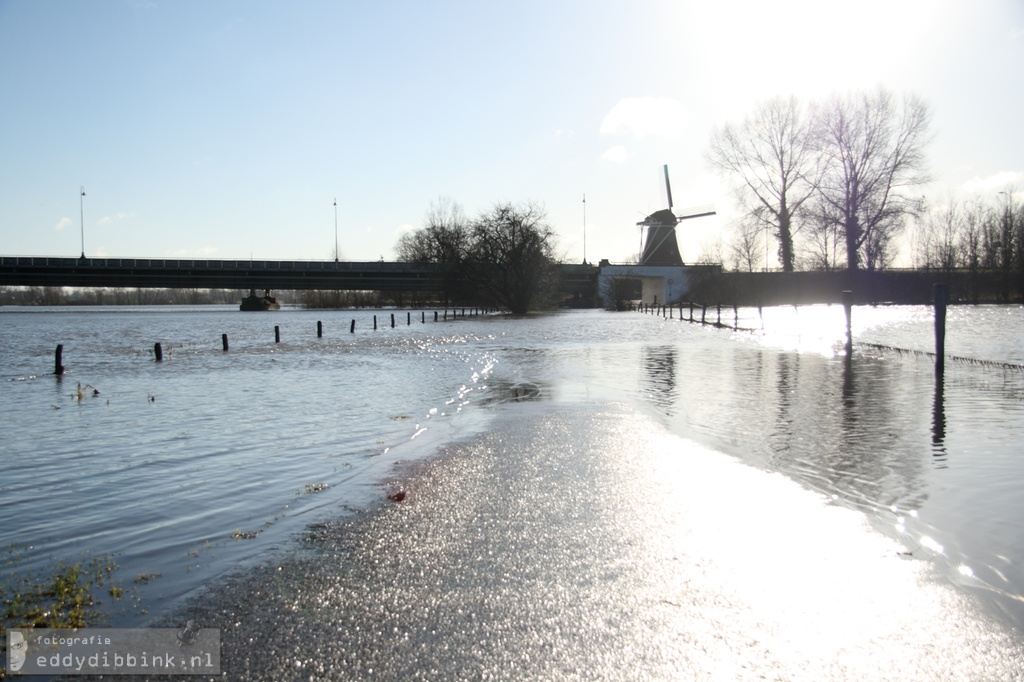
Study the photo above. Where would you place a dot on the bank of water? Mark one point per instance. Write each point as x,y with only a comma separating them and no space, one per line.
210,460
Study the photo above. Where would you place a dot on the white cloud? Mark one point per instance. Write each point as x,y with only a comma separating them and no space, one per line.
62,223
107,220
616,154
645,116
994,183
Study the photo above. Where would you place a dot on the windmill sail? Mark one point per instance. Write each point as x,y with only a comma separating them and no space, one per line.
661,247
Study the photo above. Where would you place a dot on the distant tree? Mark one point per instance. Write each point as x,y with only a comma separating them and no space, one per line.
711,253
774,154
940,240
874,151
822,244
511,257
444,239
748,246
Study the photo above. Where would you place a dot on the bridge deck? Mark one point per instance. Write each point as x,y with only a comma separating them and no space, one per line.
241,274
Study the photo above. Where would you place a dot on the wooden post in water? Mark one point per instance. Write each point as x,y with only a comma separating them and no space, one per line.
691,311
319,329
435,316
58,358
939,300
848,309
423,317
374,323
719,322
392,320
277,333
735,316
408,319
158,351
224,341
352,327
703,313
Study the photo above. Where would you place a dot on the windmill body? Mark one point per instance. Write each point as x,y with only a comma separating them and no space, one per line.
661,247
662,276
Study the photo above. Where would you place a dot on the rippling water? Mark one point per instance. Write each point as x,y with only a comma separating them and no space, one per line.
210,459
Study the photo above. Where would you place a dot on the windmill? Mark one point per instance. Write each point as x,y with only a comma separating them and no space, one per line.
661,247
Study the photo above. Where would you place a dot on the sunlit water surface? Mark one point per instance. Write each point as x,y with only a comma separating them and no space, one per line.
212,459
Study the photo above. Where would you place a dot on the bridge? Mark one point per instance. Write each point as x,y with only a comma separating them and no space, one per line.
163,273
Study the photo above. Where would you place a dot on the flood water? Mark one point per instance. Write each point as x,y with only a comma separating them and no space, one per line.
209,460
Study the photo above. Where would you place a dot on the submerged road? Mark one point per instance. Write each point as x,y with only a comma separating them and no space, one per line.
584,542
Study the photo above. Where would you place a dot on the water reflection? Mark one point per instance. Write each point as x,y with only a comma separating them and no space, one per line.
939,424
849,427
659,372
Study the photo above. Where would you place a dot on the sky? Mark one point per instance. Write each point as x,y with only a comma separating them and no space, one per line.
228,129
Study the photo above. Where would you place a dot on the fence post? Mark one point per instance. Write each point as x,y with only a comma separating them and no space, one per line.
939,299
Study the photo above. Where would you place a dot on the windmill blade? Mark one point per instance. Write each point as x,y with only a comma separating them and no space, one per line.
698,212
668,188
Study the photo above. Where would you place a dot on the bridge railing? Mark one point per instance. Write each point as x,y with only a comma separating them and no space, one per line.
192,264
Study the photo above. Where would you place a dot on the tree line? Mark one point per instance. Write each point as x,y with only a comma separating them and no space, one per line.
831,183
503,258
49,296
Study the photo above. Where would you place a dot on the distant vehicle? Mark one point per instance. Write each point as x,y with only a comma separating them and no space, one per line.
254,302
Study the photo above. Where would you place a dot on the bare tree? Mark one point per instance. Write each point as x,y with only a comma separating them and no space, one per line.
511,258
774,154
822,242
940,237
874,150
748,246
444,238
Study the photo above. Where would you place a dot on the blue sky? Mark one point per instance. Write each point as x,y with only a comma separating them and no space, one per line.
226,129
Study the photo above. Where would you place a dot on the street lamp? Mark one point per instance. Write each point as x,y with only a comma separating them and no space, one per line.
336,229
81,208
584,229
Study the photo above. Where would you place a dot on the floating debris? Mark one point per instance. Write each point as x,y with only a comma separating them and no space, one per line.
244,535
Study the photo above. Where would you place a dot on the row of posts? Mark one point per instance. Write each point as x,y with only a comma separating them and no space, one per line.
939,301
158,351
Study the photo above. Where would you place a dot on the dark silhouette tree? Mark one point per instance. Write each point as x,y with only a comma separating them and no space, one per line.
873,147
444,240
511,258
774,154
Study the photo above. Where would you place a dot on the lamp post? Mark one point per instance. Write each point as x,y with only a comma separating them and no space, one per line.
336,229
81,208
584,229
